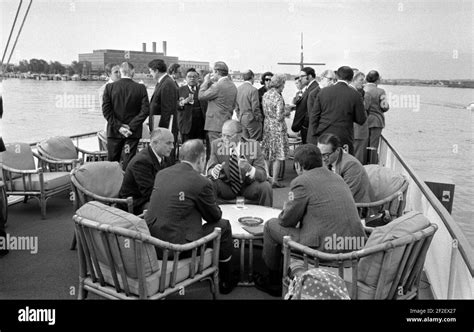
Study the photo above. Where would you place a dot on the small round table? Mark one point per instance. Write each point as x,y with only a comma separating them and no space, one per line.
241,236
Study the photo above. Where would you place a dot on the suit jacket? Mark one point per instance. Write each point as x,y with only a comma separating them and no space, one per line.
185,113
248,105
335,110
181,198
249,148
355,175
164,102
301,114
221,98
140,176
125,102
362,131
376,108
323,205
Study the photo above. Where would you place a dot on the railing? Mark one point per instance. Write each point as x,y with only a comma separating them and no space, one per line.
449,263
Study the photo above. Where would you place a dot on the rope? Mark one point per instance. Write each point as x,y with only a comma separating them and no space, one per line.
11,32
19,32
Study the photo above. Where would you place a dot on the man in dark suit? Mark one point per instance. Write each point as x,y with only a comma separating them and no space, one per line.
191,110
141,171
182,197
125,107
237,166
301,120
335,110
347,166
3,203
321,203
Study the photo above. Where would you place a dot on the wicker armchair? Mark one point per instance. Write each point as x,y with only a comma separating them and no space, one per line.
120,263
389,190
100,181
62,147
388,267
21,177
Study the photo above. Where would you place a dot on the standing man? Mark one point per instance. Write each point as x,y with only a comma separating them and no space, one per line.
301,120
125,107
182,198
112,71
175,73
336,108
3,202
141,171
220,93
248,108
377,105
164,100
191,110
361,132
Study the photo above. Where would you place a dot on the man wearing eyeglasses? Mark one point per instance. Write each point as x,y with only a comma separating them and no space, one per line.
301,120
237,167
347,166
191,110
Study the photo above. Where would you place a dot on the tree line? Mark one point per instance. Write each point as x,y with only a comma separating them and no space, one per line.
40,66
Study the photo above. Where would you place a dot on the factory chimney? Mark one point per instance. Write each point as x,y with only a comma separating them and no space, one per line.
143,47
154,47
164,47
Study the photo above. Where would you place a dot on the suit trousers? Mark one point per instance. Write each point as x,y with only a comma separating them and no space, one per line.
252,129
115,147
374,139
360,149
273,234
256,191
304,134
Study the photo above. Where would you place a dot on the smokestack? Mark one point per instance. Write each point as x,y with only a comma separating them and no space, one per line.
144,47
154,47
164,47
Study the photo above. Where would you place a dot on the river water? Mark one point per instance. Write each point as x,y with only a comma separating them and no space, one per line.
429,126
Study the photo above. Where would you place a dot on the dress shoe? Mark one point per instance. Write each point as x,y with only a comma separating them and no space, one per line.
263,284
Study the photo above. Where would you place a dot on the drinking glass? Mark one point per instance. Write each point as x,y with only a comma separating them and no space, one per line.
191,95
240,202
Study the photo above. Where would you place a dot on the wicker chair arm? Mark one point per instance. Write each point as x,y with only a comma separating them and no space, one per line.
22,171
58,161
96,153
396,194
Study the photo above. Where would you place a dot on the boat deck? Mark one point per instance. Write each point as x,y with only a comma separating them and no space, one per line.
52,273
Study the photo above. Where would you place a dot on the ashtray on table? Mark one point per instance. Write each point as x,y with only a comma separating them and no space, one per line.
250,221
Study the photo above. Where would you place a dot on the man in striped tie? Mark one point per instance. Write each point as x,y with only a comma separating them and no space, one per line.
237,167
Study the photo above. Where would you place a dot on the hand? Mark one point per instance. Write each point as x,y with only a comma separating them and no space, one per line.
217,170
244,164
124,131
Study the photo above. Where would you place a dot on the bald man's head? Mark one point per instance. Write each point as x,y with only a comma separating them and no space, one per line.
162,142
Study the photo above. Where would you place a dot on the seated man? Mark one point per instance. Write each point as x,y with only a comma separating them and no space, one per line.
181,198
141,171
347,166
237,166
321,203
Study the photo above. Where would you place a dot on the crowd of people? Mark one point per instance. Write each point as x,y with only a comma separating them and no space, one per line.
199,156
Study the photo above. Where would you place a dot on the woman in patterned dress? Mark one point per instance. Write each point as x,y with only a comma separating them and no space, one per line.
275,137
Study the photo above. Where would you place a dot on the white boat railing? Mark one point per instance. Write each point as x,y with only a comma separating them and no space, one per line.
449,263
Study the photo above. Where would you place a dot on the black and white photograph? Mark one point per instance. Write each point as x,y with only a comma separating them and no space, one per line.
271,150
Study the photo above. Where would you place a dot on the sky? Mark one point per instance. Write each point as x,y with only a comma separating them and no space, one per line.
401,39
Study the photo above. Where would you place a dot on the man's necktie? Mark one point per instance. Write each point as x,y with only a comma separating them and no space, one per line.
235,184
330,167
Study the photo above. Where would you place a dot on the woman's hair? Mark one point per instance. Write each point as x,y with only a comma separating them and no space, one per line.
277,81
265,74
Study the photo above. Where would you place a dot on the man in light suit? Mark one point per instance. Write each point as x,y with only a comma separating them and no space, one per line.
125,107
191,110
181,199
220,93
248,108
377,105
361,132
140,174
321,203
335,110
347,166
248,176
301,120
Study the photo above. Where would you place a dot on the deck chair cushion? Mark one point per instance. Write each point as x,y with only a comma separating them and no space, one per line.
59,147
385,182
104,214
18,156
370,266
102,178
51,180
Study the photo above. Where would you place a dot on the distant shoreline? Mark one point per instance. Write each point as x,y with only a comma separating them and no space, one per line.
464,84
